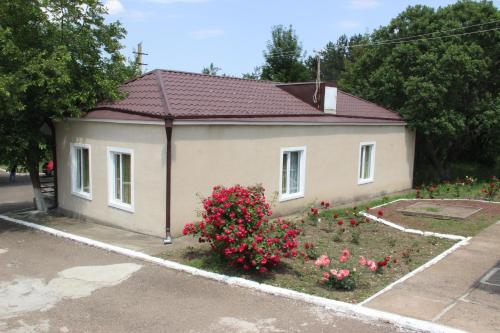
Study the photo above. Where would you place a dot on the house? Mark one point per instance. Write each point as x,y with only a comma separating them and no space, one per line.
143,162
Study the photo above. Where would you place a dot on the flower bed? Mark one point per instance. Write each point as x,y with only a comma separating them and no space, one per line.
363,256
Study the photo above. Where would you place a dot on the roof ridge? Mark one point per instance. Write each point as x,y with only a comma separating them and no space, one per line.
217,76
163,94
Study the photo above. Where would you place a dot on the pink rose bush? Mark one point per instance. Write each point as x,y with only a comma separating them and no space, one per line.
235,223
376,266
341,277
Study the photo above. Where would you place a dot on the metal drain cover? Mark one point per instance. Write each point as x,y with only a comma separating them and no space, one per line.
491,280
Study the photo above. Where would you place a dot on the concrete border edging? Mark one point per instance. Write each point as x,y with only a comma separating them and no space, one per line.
413,231
342,308
428,264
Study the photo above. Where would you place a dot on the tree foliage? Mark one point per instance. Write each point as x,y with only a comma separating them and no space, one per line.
57,58
211,69
447,88
334,57
284,57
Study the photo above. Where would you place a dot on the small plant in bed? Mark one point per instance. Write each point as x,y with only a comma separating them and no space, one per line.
235,224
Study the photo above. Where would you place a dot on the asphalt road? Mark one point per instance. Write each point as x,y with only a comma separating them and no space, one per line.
17,195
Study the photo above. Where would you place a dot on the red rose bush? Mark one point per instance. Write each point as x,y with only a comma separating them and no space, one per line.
235,223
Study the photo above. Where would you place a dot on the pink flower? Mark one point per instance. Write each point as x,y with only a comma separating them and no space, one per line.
340,275
372,265
322,261
343,259
326,276
362,260
343,274
346,253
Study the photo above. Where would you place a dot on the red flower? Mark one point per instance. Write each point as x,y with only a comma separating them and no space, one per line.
340,222
382,263
380,213
353,222
335,216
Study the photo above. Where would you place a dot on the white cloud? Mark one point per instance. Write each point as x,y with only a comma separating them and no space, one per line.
349,24
363,4
206,33
114,7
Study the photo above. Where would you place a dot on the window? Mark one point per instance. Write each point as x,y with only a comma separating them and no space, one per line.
292,175
366,162
120,178
80,170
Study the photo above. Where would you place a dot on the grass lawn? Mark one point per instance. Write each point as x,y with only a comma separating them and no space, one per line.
375,242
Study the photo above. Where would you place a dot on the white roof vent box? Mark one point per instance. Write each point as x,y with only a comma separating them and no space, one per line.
330,100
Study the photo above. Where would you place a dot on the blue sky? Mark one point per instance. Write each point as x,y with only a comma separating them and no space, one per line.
189,34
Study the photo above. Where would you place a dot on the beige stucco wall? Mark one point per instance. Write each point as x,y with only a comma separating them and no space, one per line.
204,156
148,145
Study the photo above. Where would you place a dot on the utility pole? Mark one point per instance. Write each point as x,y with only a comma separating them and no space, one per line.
138,58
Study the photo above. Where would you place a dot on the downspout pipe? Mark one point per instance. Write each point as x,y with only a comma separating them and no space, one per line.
168,132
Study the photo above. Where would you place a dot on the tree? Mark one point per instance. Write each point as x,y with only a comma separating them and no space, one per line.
334,57
255,75
211,69
284,57
447,88
58,58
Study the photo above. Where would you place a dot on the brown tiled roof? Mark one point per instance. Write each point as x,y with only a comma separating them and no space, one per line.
182,95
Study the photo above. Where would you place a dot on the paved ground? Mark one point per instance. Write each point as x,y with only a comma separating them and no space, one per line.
17,195
49,284
450,292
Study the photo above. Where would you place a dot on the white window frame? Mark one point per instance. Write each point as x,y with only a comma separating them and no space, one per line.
361,164
77,192
302,174
112,202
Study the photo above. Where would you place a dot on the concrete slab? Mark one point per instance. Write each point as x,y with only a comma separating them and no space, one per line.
119,237
473,317
450,292
439,210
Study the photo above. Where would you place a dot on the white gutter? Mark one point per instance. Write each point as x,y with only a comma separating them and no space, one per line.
198,122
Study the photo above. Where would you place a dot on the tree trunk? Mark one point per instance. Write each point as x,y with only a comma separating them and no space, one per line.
441,167
35,181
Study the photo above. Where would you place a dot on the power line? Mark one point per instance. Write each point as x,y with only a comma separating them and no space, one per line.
421,39
441,31
408,39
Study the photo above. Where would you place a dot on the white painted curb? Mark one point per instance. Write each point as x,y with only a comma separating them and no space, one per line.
420,232
437,199
412,231
351,310
419,269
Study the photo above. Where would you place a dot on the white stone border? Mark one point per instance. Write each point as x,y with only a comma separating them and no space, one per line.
428,264
415,231
351,310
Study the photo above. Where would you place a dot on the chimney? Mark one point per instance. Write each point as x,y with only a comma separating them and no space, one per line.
330,100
